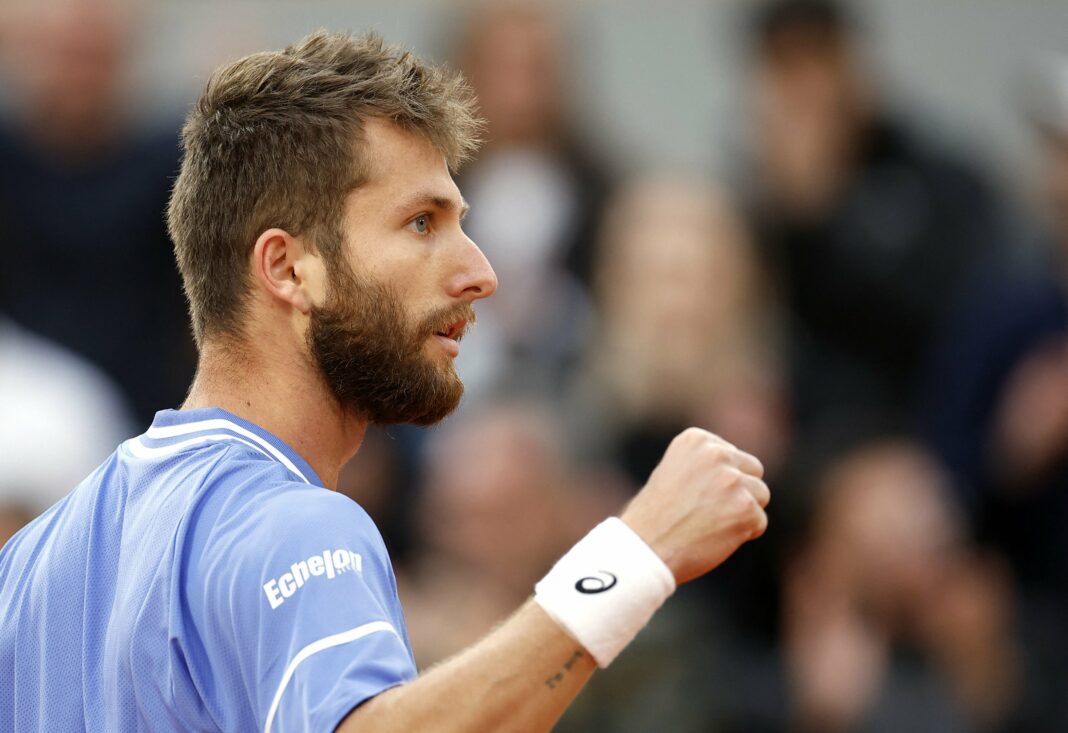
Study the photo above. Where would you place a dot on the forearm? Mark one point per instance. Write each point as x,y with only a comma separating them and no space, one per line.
519,678
703,501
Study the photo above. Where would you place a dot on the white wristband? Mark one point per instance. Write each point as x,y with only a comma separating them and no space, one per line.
605,589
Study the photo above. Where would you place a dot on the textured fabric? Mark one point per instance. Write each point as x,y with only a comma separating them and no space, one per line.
200,579
605,589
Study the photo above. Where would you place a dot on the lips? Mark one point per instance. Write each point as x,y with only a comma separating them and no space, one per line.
453,330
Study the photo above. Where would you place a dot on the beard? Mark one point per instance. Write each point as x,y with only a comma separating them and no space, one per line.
372,355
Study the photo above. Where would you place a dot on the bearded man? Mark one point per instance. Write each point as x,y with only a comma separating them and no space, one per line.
206,577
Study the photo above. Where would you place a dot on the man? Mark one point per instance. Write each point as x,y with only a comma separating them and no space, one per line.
869,227
203,578
82,185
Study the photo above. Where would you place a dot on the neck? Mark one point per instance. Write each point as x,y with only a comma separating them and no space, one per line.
285,395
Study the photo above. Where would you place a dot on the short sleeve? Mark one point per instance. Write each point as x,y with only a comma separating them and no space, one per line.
296,609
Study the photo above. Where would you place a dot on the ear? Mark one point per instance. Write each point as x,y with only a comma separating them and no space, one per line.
282,264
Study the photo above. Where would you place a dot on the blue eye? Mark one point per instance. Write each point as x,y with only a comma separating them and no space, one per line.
421,224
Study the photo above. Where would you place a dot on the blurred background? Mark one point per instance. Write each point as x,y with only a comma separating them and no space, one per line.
834,233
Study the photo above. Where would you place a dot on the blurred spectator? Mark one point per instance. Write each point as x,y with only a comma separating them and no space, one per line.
82,193
997,399
996,407
61,418
869,229
893,621
684,336
535,195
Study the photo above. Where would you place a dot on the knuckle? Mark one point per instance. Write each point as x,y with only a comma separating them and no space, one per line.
763,499
690,436
760,523
735,475
715,453
726,454
695,433
743,503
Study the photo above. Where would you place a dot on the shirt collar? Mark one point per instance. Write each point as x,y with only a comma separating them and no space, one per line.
207,423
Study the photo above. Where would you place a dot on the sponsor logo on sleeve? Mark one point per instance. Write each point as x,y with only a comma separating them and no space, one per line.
326,565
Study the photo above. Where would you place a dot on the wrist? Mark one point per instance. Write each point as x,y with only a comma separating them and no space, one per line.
606,588
663,550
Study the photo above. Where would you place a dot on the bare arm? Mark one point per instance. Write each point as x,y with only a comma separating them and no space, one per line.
519,678
704,500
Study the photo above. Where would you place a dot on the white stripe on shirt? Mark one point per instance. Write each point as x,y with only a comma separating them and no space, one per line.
170,431
141,450
317,646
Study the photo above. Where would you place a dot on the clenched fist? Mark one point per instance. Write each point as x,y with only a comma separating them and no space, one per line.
704,500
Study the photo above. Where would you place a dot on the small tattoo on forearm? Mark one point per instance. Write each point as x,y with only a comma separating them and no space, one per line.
557,678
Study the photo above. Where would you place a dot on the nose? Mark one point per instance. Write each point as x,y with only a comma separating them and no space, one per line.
474,278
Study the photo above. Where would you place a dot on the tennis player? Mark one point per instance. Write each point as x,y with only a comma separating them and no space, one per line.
206,577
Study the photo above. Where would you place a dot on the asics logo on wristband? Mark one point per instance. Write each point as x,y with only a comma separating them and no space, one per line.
573,591
596,583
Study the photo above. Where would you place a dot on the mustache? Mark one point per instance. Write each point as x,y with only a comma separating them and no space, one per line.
442,319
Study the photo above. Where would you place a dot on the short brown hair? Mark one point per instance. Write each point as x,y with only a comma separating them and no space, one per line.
274,142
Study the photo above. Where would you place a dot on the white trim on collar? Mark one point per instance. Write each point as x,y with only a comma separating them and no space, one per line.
170,431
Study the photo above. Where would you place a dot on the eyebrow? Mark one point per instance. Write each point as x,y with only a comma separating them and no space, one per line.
436,201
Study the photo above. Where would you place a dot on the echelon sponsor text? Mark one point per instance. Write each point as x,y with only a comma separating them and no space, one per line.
329,563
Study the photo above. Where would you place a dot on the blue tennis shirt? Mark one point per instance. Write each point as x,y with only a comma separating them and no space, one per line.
201,579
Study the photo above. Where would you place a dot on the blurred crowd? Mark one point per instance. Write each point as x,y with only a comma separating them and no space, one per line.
855,303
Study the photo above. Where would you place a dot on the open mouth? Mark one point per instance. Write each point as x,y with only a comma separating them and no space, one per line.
453,331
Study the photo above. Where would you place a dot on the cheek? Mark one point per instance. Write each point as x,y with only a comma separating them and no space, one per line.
419,310
407,274
316,283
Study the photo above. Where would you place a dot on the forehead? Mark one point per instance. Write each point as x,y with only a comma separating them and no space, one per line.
400,164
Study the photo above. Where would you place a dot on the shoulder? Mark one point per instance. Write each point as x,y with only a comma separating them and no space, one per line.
930,156
256,523
288,506
280,583
257,513
267,499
